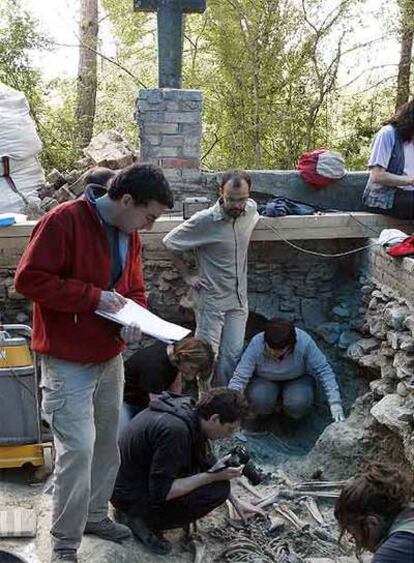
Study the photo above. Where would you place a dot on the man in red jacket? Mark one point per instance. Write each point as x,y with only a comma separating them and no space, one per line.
84,255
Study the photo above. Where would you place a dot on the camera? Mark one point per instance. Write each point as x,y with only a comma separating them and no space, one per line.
240,456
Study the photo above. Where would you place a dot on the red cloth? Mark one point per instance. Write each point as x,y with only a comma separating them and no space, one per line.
404,248
63,270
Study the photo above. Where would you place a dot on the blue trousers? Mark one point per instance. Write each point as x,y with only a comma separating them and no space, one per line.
297,395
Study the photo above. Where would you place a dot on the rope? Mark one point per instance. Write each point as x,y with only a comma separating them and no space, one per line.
323,254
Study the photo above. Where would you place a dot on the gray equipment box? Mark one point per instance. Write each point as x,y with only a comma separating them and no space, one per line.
193,204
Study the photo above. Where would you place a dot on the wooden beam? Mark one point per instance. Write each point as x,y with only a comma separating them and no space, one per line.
358,224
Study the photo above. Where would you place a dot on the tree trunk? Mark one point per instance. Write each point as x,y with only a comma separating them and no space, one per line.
404,66
87,71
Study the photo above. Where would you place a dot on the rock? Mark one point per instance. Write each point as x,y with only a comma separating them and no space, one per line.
388,371
395,315
14,295
368,344
394,339
55,179
72,177
347,338
84,163
47,190
386,350
373,303
371,361
341,311
109,149
312,313
329,332
404,364
409,323
22,318
48,203
379,295
391,412
78,187
382,387
407,342
402,389
64,194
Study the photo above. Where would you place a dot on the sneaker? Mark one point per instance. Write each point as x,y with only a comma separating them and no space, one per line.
107,529
154,541
68,555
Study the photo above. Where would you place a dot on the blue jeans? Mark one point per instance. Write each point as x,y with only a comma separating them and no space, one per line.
224,330
127,413
297,395
81,402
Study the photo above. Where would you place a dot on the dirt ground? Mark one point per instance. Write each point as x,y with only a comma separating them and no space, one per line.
286,450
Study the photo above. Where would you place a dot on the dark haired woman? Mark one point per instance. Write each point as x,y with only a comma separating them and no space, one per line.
374,510
282,362
390,186
162,366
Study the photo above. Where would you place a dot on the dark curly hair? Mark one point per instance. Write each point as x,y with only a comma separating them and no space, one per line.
229,404
403,121
144,182
369,502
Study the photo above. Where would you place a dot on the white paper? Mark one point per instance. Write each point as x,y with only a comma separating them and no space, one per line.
150,324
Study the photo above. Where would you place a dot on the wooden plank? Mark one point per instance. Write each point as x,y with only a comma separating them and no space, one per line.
14,239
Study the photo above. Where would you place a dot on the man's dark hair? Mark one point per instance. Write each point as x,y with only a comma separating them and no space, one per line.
144,182
279,334
235,177
403,121
229,404
99,175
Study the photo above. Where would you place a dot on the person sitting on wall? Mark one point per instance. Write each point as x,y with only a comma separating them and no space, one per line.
390,186
162,367
282,362
163,481
374,510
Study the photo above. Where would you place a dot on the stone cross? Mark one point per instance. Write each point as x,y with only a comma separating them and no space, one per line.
170,35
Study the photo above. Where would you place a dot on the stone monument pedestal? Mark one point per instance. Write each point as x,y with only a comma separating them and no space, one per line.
169,123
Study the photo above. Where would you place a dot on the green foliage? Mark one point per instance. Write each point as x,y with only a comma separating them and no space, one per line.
18,36
267,69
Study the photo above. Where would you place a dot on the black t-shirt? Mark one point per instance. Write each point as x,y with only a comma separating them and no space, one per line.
148,370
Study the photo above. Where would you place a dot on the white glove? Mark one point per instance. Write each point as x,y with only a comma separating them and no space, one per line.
337,412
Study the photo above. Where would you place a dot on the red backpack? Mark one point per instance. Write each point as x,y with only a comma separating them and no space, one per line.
321,167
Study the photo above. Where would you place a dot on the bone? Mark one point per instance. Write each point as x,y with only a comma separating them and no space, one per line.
310,504
199,550
249,488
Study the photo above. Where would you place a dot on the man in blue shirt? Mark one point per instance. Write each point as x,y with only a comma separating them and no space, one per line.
282,362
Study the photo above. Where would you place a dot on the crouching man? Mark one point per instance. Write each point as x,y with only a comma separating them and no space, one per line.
282,363
164,481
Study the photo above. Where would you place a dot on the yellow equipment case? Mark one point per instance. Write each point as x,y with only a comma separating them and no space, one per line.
20,425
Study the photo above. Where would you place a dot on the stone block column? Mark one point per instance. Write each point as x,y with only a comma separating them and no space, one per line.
169,123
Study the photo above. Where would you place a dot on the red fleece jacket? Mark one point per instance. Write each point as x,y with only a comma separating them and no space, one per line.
63,271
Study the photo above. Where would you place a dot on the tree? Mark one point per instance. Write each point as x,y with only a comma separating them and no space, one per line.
18,37
406,43
87,70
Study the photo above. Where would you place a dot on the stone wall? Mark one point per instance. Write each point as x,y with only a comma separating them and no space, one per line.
282,281
375,329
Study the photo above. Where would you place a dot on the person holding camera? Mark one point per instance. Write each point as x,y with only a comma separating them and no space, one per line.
167,477
283,362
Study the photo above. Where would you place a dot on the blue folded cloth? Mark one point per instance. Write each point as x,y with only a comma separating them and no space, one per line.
7,221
